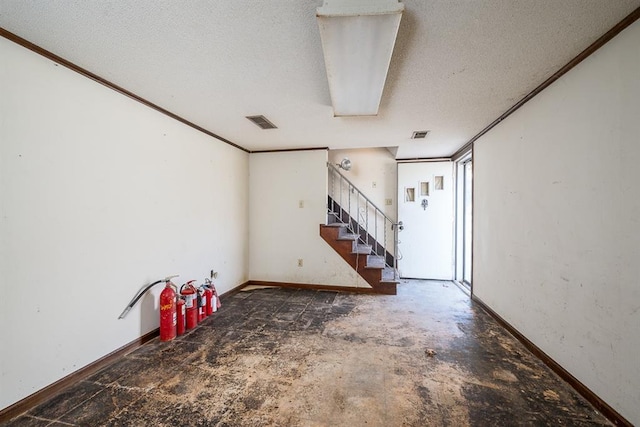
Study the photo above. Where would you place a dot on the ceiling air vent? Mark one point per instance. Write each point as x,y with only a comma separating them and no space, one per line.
420,134
262,122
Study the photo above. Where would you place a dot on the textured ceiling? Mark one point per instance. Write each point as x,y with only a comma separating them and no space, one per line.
457,64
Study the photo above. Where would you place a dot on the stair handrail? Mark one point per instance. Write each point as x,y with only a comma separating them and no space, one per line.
335,169
395,226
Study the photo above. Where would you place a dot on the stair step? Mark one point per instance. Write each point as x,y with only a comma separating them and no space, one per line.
375,261
362,249
345,234
388,276
348,236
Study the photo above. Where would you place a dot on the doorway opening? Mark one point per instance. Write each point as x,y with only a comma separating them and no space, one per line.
426,208
464,220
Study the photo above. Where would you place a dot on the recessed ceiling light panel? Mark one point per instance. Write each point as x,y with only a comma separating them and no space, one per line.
357,38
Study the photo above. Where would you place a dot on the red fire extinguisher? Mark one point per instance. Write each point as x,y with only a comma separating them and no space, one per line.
202,304
180,309
215,298
168,314
208,293
169,308
190,294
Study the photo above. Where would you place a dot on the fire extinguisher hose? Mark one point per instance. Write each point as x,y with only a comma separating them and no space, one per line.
141,292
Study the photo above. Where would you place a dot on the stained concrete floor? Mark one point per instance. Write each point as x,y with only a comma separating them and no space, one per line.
282,357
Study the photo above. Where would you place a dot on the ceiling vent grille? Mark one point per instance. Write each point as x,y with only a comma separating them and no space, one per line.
262,122
420,134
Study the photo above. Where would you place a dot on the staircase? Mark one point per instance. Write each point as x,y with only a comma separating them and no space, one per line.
357,230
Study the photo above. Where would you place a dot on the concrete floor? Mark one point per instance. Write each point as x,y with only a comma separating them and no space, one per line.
282,357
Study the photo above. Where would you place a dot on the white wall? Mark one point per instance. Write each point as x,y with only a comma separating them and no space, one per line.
557,221
282,232
100,195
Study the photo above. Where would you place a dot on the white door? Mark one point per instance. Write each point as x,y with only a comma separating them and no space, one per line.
425,207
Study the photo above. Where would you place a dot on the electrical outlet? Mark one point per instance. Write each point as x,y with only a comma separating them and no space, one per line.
388,202
300,262
301,204
374,184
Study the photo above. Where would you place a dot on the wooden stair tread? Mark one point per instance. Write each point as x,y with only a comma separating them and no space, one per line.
362,249
375,261
388,275
348,236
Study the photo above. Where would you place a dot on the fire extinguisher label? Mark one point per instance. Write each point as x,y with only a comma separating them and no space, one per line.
215,303
204,300
175,318
182,309
189,303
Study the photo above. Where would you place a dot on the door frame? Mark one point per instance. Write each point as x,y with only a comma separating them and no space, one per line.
461,208
400,197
